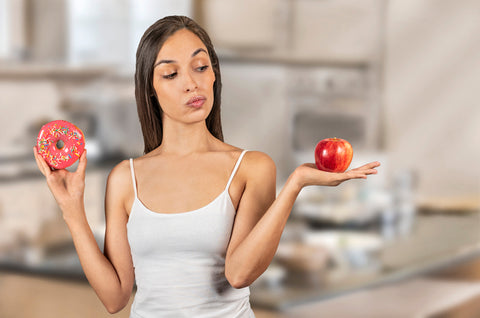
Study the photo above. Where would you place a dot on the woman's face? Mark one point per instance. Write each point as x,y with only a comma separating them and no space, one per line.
183,78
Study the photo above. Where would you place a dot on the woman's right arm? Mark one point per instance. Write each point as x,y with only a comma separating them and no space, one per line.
110,273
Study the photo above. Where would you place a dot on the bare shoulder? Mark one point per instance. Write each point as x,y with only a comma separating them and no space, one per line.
120,173
119,184
258,164
259,158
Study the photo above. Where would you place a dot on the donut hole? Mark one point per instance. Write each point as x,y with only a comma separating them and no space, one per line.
60,144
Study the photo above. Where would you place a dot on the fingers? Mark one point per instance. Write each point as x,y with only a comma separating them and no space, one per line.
42,165
370,171
371,165
363,171
82,164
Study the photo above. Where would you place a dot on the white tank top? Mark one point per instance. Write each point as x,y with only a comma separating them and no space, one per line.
179,260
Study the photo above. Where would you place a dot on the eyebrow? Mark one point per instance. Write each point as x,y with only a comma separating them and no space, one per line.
173,61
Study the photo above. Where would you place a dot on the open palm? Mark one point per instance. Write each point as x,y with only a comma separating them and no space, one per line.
311,175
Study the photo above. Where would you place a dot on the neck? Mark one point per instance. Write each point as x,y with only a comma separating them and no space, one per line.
180,139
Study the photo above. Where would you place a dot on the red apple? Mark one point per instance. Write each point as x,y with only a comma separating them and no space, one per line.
333,155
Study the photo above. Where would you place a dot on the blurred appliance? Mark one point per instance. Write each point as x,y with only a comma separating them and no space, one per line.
332,101
337,101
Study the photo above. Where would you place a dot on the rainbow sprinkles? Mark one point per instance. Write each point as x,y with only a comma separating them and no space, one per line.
73,143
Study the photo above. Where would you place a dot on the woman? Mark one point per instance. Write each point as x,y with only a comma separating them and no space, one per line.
195,220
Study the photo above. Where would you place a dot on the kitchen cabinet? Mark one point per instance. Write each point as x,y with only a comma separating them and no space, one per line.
248,24
340,31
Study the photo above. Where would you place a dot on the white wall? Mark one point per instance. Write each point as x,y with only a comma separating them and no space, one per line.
432,92
4,36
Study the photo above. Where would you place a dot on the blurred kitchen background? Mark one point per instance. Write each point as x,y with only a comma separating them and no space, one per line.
397,78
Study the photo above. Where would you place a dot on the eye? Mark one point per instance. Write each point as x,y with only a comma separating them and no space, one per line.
202,68
170,76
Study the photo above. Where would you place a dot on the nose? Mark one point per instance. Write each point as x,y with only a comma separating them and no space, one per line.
190,83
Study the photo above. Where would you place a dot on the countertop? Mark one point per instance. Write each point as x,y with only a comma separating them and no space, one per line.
438,241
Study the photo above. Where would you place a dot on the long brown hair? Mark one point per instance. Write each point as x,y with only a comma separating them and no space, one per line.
149,110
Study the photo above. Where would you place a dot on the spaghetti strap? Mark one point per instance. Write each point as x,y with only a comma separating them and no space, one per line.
133,178
235,169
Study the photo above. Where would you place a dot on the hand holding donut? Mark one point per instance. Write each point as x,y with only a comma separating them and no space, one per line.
67,187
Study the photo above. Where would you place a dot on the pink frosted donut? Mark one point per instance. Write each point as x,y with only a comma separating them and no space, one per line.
60,143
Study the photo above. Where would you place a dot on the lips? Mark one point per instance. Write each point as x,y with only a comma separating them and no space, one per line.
196,101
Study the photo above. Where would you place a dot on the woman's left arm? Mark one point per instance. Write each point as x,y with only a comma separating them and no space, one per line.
261,218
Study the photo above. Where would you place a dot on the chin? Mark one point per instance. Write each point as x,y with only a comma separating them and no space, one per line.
198,115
